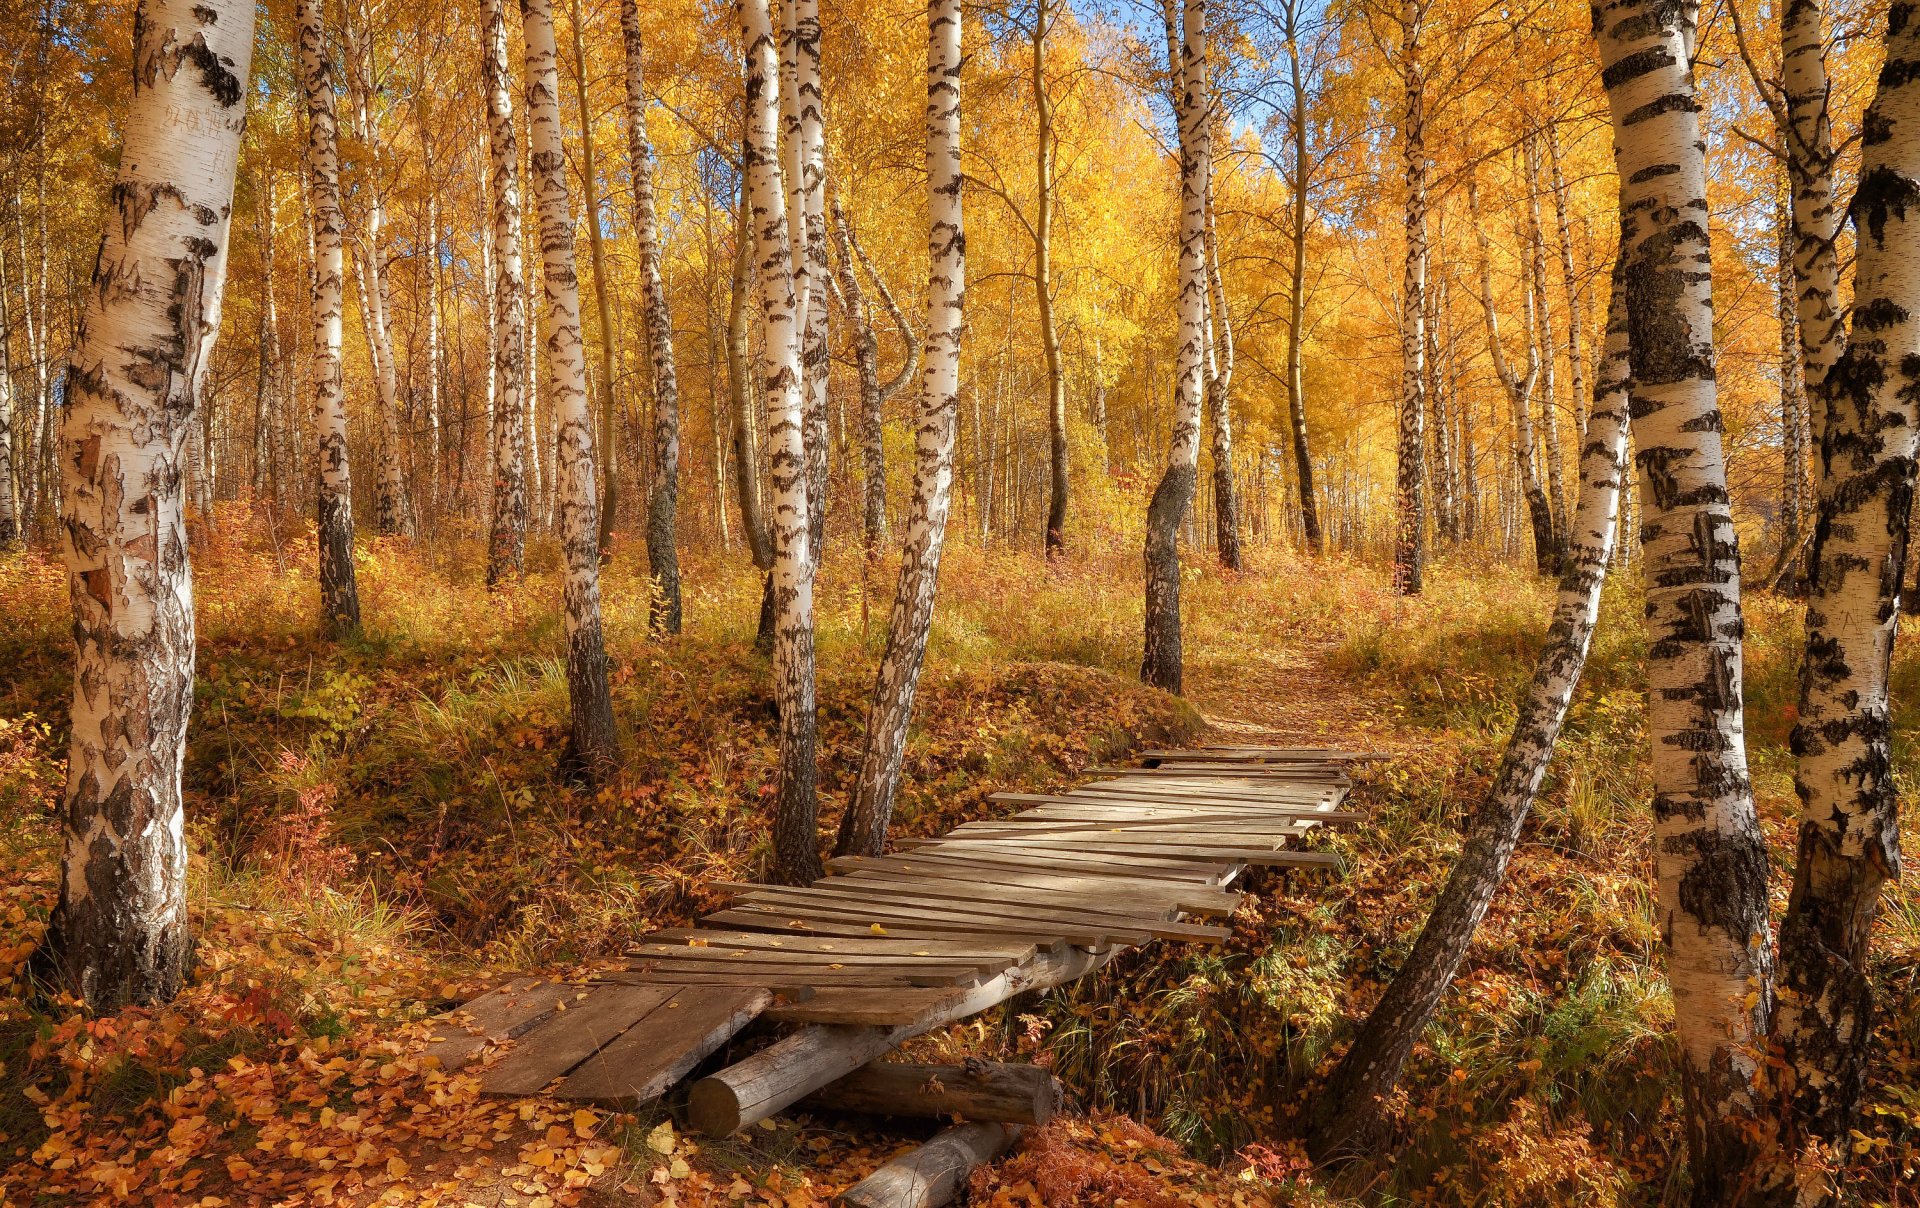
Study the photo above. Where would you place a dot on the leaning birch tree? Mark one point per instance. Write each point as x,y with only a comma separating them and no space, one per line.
1161,662
795,838
592,747
863,829
507,534
1710,858
333,530
139,366
1849,843
663,501
1371,1066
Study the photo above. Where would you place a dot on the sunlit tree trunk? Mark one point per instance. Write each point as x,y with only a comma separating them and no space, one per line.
663,501
1059,487
1808,137
607,444
1709,855
11,533
138,371
1161,662
1519,389
1793,394
1226,497
1542,331
392,514
507,534
866,359
1365,1077
593,748
806,175
1409,548
339,590
795,837
1439,421
1849,844
1569,282
863,830
1297,291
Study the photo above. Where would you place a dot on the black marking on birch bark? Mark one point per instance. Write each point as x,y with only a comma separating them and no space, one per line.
1883,193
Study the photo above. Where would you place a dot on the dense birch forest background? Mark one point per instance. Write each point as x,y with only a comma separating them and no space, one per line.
481,480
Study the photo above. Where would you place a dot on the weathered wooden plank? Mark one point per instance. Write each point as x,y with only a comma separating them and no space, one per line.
1265,857
961,883
933,1174
986,947
1039,911
829,922
895,910
865,1006
1168,872
975,1090
664,1047
569,1037
653,954
821,974
497,1016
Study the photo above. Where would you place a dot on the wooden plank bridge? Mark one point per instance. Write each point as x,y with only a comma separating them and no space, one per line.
886,948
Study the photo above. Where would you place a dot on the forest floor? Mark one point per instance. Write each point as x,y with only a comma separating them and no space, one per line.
378,827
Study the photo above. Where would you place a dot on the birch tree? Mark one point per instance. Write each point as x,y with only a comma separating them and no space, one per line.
507,534
339,590
1519,387
1372,1065
1709,855
139,367
806,180
874,394
1059,485
1220,360
1849,844
392,512
1161,663
863,829
592,748
11,533
1302,172
663,501
795,837
1409,547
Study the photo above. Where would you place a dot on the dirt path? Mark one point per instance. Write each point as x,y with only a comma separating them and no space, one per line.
1290,696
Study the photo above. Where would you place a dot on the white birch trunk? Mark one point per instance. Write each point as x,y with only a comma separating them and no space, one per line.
1161,661
663,501
593,748
796,852
120,929
339,591
10,530
1849,844
1409,548
507,370
392,516
1709,855
863,831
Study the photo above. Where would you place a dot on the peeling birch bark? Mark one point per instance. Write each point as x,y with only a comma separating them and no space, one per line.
795,830
507,532
139,367
663,501
1849,843
1709,855
1161,661
592,747
339,588
863,829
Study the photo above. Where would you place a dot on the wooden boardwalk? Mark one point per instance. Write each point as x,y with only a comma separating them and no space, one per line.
889,947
